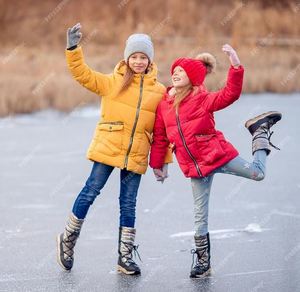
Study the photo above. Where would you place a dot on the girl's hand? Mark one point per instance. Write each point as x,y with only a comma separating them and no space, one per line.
161,173
231,53
74,35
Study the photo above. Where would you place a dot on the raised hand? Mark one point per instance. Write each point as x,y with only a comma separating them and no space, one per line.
231,53
74,35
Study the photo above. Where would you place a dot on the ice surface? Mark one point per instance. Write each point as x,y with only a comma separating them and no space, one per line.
254,226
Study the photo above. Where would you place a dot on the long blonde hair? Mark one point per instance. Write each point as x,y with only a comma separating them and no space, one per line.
181,94
128,76
210,62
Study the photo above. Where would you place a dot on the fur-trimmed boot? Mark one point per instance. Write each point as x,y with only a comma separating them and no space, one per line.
126,264
202,266
66,242
259,128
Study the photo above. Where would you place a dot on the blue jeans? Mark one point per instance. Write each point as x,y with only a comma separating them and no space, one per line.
201,186
129,181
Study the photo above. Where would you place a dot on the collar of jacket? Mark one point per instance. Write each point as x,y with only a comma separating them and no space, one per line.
149,78
171,98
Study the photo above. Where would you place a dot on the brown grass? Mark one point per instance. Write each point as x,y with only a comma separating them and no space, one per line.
34,75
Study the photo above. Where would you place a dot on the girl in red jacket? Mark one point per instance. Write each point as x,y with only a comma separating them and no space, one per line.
185,121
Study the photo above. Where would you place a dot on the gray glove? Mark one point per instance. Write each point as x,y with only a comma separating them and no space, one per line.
161,174
74,35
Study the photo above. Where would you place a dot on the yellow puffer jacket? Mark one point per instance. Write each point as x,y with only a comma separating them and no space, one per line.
123,135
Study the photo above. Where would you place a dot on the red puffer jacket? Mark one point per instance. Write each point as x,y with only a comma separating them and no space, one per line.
198,146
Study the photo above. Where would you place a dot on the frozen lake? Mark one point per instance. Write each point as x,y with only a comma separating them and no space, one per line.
255,226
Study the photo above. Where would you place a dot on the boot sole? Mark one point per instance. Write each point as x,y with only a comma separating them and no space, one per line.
58,253
268,115
124,271
207,273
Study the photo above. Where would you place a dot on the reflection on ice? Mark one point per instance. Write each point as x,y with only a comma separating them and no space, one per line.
225,233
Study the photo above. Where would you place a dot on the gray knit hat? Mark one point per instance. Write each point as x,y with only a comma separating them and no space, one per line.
139,43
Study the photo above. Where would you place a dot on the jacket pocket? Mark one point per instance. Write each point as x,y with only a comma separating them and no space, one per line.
111,126
209,149
109,138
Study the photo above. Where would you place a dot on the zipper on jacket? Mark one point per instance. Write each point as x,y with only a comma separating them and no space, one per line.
185,145
135,122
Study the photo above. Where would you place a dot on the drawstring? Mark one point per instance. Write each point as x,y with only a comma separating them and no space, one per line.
266,130
271,142
131,247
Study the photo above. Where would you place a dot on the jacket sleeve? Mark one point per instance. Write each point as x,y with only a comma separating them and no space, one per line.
159,149
230,93
96,82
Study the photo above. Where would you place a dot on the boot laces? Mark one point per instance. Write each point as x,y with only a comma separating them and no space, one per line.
69,243
131,249
264,131
201,261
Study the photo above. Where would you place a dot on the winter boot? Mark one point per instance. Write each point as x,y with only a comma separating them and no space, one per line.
126,264
202,267
66,242
259,127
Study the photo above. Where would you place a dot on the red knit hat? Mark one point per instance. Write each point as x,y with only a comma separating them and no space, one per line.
195,69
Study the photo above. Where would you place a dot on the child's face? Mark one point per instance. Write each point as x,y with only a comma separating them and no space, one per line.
138,62
180,78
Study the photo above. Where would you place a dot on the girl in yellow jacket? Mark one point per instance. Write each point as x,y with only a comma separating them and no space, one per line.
122,138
